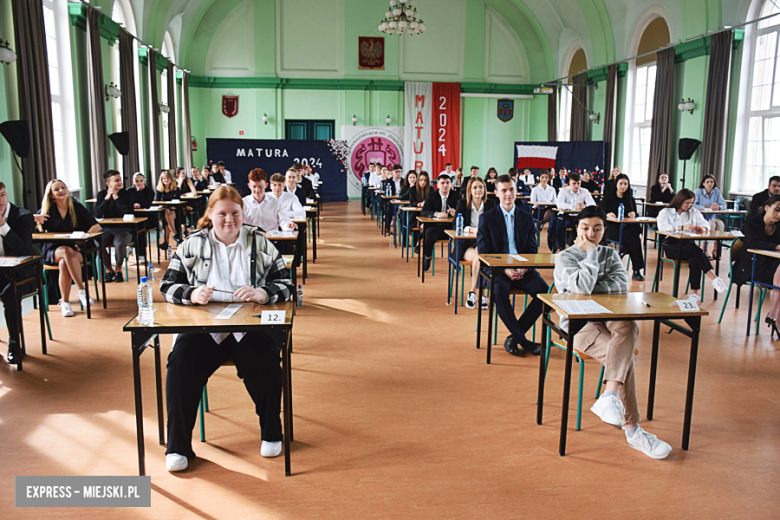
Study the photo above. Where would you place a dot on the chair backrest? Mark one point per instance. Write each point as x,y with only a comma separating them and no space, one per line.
736,247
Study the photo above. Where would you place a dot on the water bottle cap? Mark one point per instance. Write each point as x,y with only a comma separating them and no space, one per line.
144,279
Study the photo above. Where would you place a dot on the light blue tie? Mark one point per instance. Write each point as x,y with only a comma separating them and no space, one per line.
510,233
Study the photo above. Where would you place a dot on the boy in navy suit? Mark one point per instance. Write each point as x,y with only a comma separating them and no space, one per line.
509,229
439,204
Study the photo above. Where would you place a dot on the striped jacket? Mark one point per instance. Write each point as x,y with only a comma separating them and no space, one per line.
189,268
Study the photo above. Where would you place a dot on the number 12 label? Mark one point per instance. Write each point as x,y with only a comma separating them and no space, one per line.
272,317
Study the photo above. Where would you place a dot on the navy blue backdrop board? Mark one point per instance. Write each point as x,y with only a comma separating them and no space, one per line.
275,156
573,155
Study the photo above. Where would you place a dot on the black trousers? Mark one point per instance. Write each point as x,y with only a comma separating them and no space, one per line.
10,306
697,260
631,244
119,238
192,361
433,233
531,284
389,214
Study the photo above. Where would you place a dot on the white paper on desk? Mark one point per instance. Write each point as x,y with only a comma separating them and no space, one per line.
582,307
518,258
645,218
736,233
309,208
61,235
10,262
272,317
155,208
273,233
285,234
78,234
176,201
228,312
690,233
309,201
129,217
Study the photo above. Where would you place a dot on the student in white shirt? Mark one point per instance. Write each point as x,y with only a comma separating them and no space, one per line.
375,181
290,202
528,178
225,173
688,218
313,176
543,192
291,186
570,197
448,170
261,211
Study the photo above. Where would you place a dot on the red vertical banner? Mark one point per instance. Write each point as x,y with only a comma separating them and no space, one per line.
446,127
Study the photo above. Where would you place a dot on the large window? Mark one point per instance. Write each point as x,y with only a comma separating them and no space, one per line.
564,114
167,50
55,18
762,147
642,121
117,15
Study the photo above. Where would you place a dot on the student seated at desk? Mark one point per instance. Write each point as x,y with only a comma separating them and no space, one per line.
410,184
421,190
609,184
16,228
303,182
759,199
166,192
509,229
708,197
226,175
262,211
762,231
660,193
198,181
438,204
59,213
457,181
571,197
143,195
374,175
490,180
312,176
528,178
183,183
560,180
522,189
471,208
588,183
396,184
689,219
289,202
114,202
291,186
632,233
216,178
543,192
590,268
224,261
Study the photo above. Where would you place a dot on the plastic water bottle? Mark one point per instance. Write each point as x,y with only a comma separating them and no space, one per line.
365,181
151,272
573,201
145,311
621,212
388,191
300,295
459,225
736,203
676,221
170,253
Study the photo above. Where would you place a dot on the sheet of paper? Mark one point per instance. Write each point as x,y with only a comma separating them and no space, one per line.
155,208
645,218
77,234
309,208
228,312
518,258
61,235
272,317
582,307
10,262
736,233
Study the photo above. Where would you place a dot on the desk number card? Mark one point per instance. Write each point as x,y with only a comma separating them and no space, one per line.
272,317
687,305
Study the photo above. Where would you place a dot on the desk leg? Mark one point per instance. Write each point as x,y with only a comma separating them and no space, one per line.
695,324
676,286
750,301
41,309
653,369
645,240
542,366
573,326
158,376
717,269
18,318
657,281
139,412
137,254
85,279
315,227
491,310
422,241
287,393
479,306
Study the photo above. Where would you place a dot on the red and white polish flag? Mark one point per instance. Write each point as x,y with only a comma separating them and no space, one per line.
536,156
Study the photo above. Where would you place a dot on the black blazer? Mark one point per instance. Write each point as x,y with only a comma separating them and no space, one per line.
218,177
465,210
18,241
123,205
165,196
656,195
200,185
391,182
491,234
433,203
522,189
413,197
308,188
591,186
610,203
557,183
758,201
756,238
143,198
299,193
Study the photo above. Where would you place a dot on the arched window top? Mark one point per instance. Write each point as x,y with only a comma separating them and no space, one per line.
770,7
167,47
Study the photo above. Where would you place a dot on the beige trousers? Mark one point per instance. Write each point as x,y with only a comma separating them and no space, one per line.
612,344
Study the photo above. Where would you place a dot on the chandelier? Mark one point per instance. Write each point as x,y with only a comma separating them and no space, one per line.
402,18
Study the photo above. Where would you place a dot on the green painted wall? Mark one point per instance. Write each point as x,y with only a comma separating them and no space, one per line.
486,140
9,109
690,82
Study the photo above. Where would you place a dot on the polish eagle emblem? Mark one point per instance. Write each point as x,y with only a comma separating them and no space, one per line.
371,53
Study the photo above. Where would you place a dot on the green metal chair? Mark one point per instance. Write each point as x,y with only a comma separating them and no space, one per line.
736,247
676,267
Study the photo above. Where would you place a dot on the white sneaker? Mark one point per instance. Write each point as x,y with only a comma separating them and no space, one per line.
485,303
719,285
175,462
83,298
649,444
471,300
693,297
142,259
610,410
271,449
67,312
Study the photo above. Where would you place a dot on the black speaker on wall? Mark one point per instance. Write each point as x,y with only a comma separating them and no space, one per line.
121,142
17,133
687,148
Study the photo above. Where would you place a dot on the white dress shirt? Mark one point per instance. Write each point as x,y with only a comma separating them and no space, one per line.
375,180
228,177
290,204
565,197
268,215
693,217
5,228
475,213
543,195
